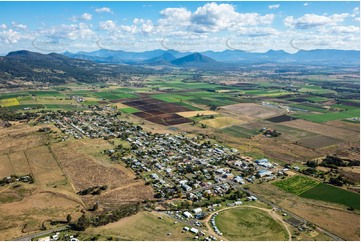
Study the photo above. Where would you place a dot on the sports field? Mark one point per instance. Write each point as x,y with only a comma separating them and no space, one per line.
249,224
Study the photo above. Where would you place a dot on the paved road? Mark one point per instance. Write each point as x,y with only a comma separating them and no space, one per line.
45,232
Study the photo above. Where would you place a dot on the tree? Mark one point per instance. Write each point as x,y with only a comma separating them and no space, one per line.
68,218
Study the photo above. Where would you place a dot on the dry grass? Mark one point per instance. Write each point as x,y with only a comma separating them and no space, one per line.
33,210
43,166
86,167
143,226
20,163
191,114
221,122
5,167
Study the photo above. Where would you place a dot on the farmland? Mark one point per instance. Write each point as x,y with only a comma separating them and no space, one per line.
333,194
309,188
296,184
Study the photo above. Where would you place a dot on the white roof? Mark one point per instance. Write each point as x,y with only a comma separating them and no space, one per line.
194,230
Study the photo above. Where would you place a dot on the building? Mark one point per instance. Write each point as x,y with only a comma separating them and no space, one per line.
263,173
197,210
194,230
239,180
187,214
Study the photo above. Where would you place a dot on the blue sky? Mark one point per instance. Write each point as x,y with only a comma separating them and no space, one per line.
184,26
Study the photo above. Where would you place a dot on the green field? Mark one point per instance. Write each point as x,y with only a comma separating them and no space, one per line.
249,224
239,132
333,194
319,118
46,93
129,110
296,184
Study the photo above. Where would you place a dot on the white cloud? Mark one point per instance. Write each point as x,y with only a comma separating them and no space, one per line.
305,4
103,10
108,25
3,26
11,36
213,18
356,19
72,31
313,20
172,16
86,16
19,26
274,6
344,29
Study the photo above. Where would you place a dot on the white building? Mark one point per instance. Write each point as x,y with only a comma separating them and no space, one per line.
187,214
197,210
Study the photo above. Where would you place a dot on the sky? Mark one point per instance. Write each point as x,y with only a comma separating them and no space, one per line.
183,26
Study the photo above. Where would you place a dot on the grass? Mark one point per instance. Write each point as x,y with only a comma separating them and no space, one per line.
8,102
296,184
129,110
320,118
333,194
140,227
248,224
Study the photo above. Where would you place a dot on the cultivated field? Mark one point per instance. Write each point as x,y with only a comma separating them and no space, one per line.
329,193
221,122
326,130
252,111
191,114
296,184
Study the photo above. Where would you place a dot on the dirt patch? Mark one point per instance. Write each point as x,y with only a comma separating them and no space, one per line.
318,141
251,111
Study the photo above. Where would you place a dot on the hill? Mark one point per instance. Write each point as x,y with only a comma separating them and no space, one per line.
25,66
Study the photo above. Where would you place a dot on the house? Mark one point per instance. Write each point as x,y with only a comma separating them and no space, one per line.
197,210
251,198
237,203
154,176
263,173
194,230
186,228
187,214
239,180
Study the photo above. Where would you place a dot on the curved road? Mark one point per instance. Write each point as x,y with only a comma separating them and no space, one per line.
271,212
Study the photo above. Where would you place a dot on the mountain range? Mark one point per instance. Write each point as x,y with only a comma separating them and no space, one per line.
169,57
